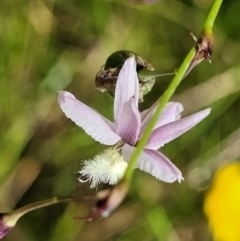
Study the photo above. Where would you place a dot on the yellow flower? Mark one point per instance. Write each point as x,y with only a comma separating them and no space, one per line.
222,203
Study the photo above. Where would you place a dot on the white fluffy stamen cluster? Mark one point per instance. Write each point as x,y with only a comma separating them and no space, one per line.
107,167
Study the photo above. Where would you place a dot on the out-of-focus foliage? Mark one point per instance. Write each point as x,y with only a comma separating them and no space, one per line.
222,203
143,1
48,46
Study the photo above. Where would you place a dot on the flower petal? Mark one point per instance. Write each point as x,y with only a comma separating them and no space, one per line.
171,131
126,87
154,163
129,123
170,113
95,125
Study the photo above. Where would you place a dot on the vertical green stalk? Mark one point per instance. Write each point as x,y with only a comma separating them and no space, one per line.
164,100
208,25
206,32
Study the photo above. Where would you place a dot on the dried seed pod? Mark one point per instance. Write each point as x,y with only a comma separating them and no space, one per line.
106,78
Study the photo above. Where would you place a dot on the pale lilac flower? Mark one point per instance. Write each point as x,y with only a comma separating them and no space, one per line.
127,129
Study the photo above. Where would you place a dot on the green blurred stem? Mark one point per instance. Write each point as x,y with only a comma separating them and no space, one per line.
207,28
16,214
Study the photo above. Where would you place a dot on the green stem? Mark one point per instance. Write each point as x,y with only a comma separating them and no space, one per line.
165,98
16,214
208,25
169,93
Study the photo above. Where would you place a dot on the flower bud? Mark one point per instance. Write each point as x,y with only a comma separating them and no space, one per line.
6,224
204,48
107,201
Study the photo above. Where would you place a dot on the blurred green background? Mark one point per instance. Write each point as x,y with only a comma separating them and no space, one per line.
49,45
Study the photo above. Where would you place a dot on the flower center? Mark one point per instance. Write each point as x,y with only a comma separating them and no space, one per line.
107,167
